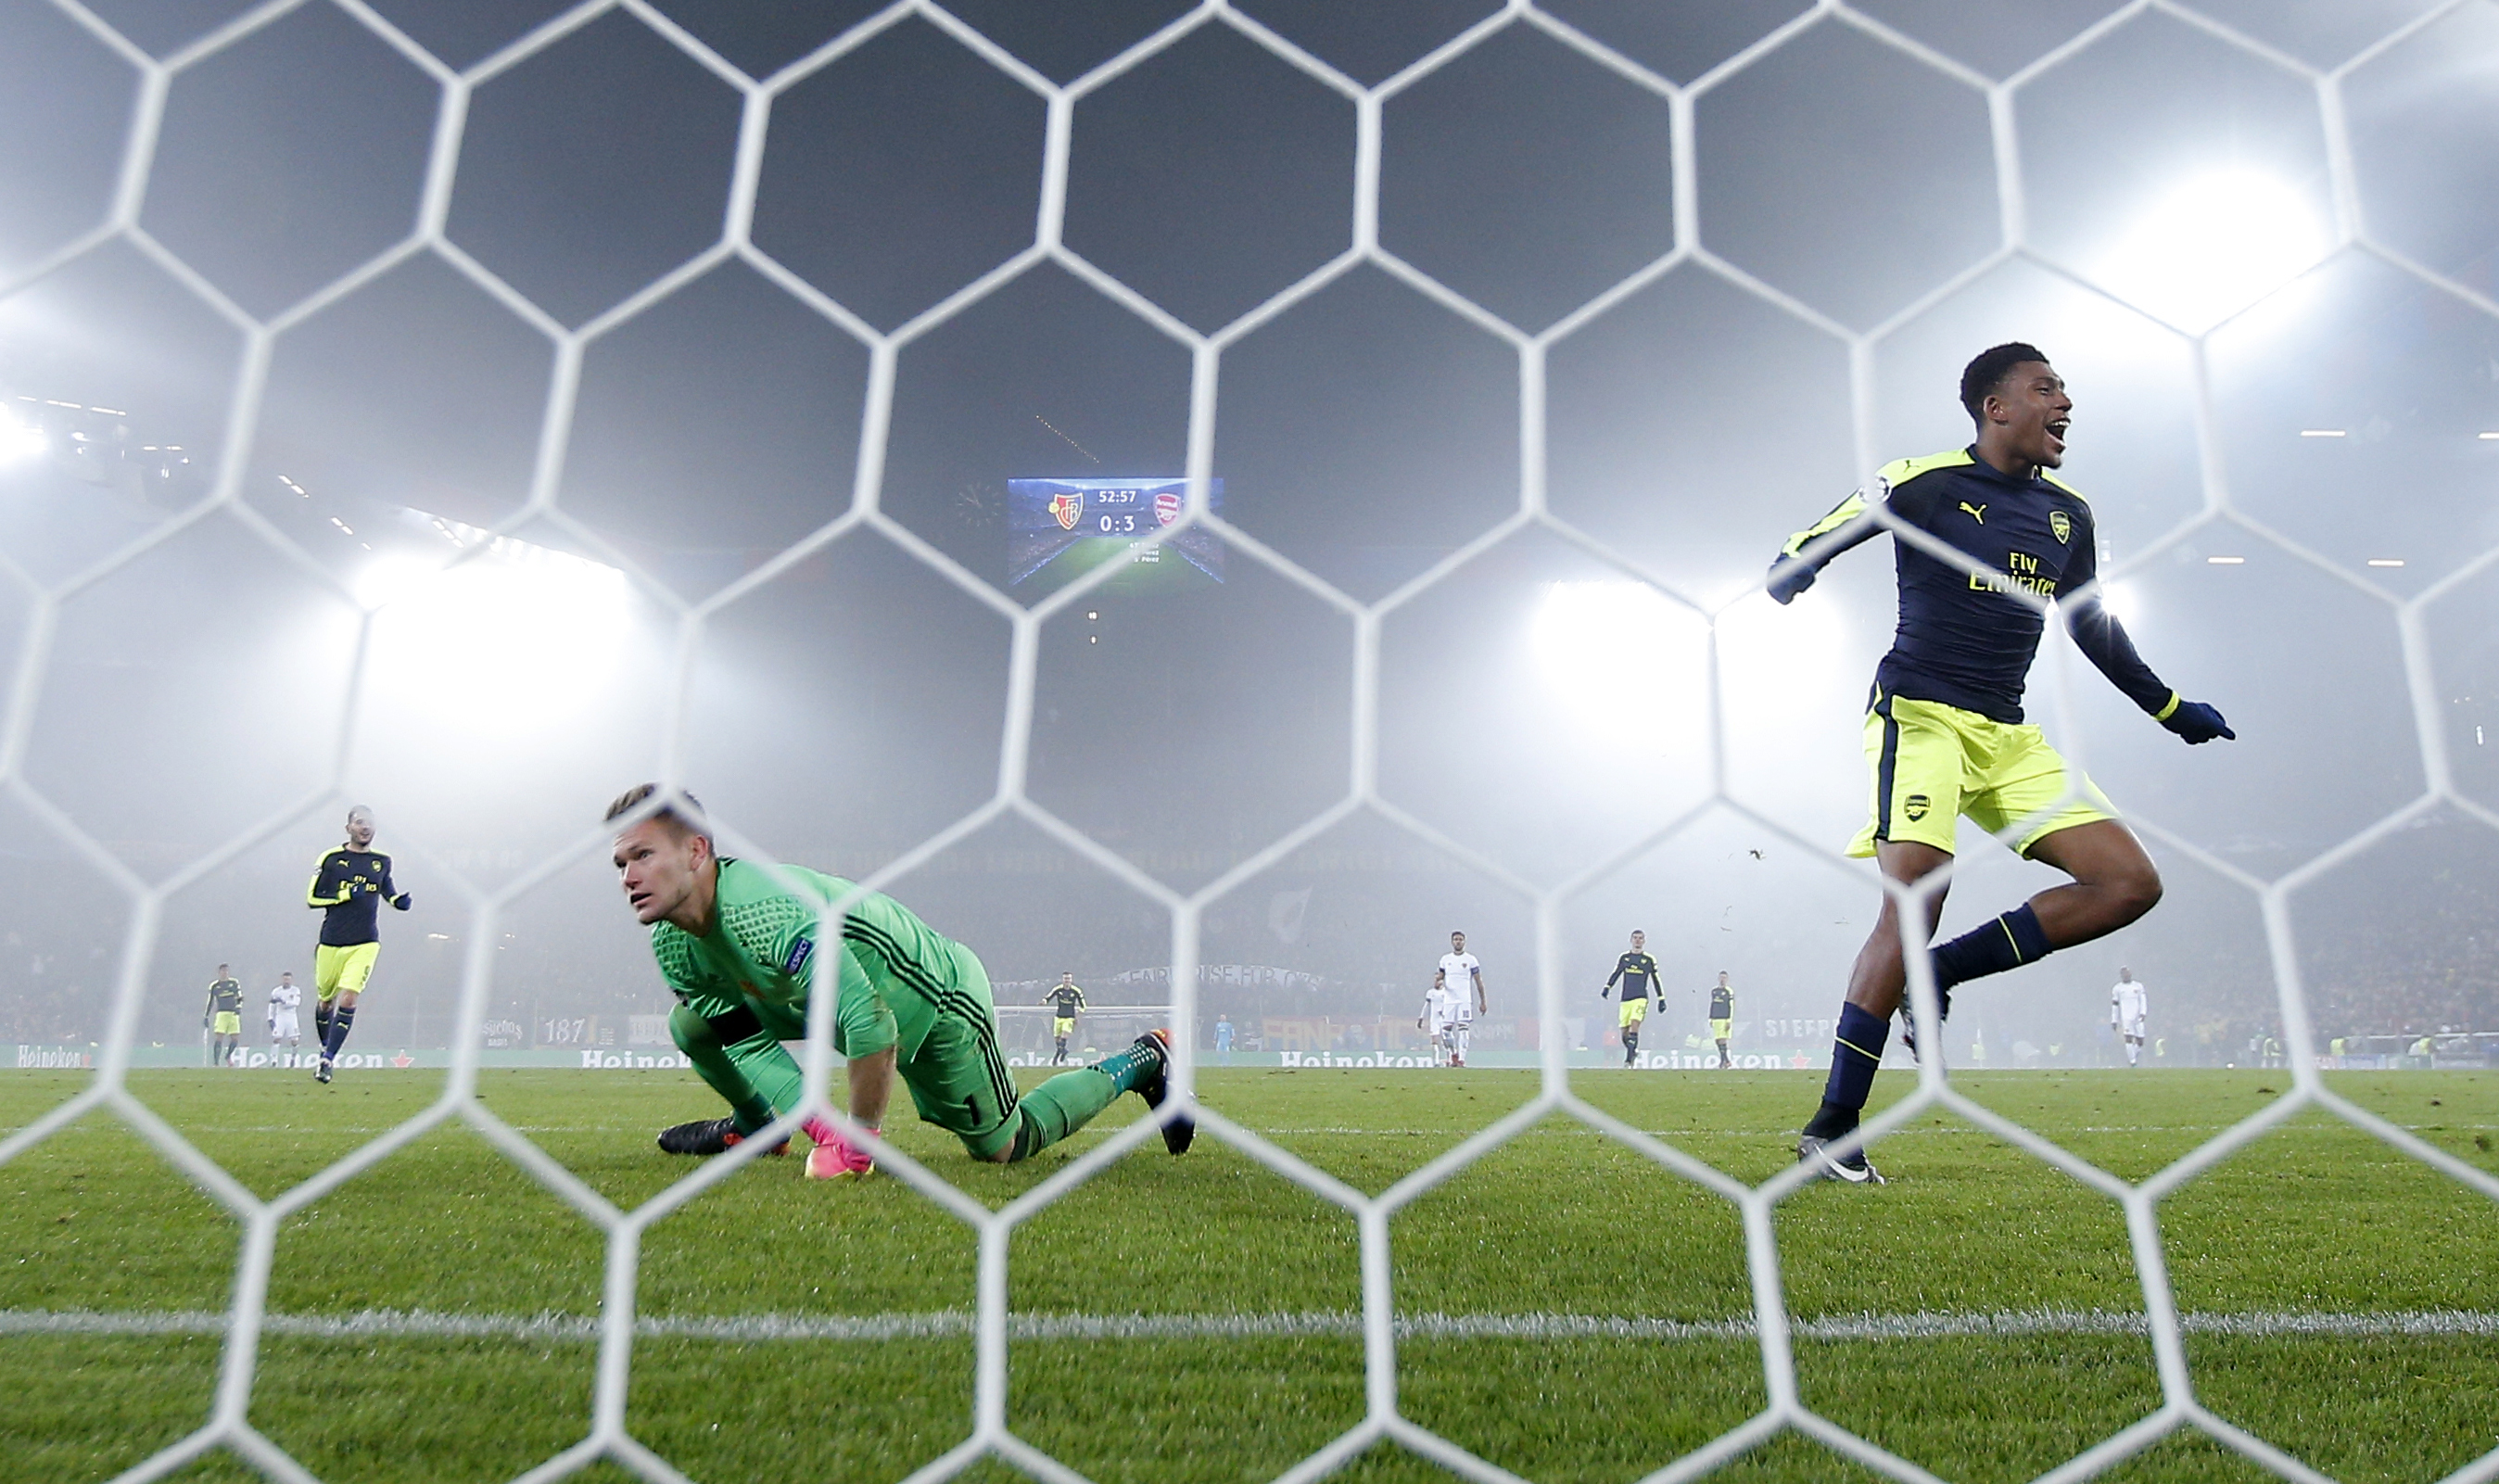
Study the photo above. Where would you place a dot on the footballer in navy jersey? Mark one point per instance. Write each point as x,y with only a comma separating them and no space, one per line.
349,884
1945,735
1637,973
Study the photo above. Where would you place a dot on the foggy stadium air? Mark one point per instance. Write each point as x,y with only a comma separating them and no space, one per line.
1206,499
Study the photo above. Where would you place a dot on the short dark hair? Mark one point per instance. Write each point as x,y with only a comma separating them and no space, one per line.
685,821
1986,373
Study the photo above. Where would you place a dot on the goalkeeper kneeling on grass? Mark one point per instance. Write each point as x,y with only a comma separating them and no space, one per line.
736,947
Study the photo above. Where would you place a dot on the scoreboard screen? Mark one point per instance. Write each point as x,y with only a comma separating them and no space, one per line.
1058,530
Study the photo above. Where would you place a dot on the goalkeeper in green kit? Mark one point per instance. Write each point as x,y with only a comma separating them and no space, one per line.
736,947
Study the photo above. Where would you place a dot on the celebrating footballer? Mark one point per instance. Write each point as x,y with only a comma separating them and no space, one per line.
1944,731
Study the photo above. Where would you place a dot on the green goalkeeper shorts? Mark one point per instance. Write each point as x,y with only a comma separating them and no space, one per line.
959,1081
957,1078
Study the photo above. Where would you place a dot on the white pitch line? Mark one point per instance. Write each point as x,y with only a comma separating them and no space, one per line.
420,1324
1582,1131
1574,1131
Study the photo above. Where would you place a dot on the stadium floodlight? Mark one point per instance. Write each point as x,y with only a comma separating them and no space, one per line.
517,635
2213,245
1611,644
2125,600
20,441
508,640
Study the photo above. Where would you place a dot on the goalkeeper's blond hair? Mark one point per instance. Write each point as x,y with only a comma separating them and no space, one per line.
682,813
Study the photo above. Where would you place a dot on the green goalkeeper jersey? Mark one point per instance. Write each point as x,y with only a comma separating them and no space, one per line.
896,974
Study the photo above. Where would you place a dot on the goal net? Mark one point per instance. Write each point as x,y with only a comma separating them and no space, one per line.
1249,488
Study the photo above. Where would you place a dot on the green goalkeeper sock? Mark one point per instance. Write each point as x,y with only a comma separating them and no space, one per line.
1126,1069
771,1075
724,1069
1061,1105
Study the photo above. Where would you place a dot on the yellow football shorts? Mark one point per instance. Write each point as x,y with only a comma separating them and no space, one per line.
1720,1030
336,969
1634,1012
225,1022
1064,1026
1933,763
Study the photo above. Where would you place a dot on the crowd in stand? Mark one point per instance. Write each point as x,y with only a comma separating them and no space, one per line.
2406,940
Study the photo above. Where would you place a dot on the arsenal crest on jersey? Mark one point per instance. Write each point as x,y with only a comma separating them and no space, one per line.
1065,507
1166,507
2060,526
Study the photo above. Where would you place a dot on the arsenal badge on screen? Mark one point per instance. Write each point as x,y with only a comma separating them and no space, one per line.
1059,528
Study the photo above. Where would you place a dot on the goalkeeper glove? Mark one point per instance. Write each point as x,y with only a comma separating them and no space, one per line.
835,1158
2196,722
1789,576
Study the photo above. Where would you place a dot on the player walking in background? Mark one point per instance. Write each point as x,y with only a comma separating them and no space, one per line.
1067,1000
1944,733
737,948
1464,977
2127,1005
1440,1019
1637,974
1223,1039
1721,1018
284,1029
223,1018
350,885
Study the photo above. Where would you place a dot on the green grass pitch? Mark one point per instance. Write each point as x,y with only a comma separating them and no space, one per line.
2315,1219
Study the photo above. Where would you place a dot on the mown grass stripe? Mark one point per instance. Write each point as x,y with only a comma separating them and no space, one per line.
388,1323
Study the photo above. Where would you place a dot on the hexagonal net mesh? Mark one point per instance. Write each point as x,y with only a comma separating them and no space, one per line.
1535,226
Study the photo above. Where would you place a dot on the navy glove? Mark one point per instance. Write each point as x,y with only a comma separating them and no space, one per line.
2197,721
401,900
1789,576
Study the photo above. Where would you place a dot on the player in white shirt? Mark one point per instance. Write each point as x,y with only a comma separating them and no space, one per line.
1440,1018
1463,977
284,999
2128,1004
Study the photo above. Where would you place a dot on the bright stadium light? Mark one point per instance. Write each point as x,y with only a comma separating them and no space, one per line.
20,441
513,639
1620,649
2215,244
2122,601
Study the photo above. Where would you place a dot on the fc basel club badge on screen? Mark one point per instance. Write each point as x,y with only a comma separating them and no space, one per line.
1058,530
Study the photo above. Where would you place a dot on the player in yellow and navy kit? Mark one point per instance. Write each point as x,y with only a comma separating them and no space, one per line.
739,949
1066,999
349,886
1637,973
1721,1018
223,1017
1944,730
